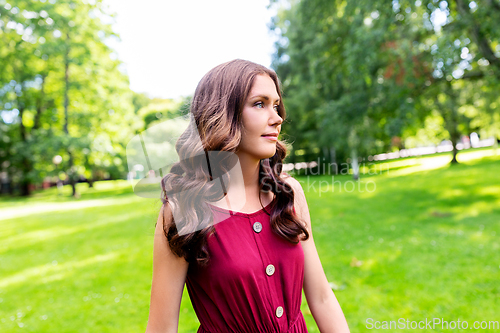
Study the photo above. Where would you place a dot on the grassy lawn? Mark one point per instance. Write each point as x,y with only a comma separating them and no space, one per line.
415,239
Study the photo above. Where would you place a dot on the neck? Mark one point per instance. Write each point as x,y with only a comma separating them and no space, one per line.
250,171
244,192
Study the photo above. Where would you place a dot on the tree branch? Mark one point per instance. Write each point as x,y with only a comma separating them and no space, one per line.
478,37
473,75
494,4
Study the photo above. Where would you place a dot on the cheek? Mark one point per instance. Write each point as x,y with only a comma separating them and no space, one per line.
250,122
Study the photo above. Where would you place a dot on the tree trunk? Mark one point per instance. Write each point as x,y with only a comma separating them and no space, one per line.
450,116
40,105
353,142
25,182
495,143
355,165
454,132
25,163
454,142
333,160
71,170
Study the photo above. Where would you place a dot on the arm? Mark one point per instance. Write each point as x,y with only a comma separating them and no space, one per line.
169,276
321,300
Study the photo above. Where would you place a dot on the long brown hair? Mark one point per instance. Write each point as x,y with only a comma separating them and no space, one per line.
216,113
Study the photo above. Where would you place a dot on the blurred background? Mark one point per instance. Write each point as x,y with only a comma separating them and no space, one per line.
393,124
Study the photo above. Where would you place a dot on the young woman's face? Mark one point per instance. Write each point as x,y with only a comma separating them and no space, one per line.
261,121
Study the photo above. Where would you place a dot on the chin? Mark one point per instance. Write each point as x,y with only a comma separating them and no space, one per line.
269,155
261,152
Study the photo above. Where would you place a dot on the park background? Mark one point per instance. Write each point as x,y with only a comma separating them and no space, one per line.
402,96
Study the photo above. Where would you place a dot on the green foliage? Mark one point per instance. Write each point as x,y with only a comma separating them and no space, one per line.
159,110
140,100
44,45
358,73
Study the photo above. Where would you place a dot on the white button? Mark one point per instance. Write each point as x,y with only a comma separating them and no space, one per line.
257,227
270,270
279,311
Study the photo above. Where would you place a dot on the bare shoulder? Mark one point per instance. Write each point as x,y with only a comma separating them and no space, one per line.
294,183
300,202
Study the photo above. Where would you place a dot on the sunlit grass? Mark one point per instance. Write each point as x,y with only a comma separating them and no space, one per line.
405,166
426,240
52,271
422,244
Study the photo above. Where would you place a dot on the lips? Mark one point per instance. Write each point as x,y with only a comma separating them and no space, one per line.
271,136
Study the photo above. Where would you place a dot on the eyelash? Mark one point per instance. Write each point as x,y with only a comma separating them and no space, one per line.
276,106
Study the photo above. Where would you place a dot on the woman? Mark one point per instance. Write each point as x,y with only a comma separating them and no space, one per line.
244,269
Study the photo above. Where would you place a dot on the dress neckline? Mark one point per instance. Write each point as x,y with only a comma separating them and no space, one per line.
236,213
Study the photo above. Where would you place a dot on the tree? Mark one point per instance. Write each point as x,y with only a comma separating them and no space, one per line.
66,86
332,57
363,72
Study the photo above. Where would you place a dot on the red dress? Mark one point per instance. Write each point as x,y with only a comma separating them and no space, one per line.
253,283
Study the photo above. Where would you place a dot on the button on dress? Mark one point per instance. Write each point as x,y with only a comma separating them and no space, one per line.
253,282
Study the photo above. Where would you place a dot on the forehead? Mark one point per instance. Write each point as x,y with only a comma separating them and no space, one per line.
264,85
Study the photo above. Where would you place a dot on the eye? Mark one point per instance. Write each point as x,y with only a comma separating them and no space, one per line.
277,108
259,105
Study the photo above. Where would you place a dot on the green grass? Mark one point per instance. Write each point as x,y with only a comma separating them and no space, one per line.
428,240
422,241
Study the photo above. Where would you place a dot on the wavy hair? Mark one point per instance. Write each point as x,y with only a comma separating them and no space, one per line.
216,119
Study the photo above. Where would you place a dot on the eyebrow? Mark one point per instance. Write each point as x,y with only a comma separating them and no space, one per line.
264,97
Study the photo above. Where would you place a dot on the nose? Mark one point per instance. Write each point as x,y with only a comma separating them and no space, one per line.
275,119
